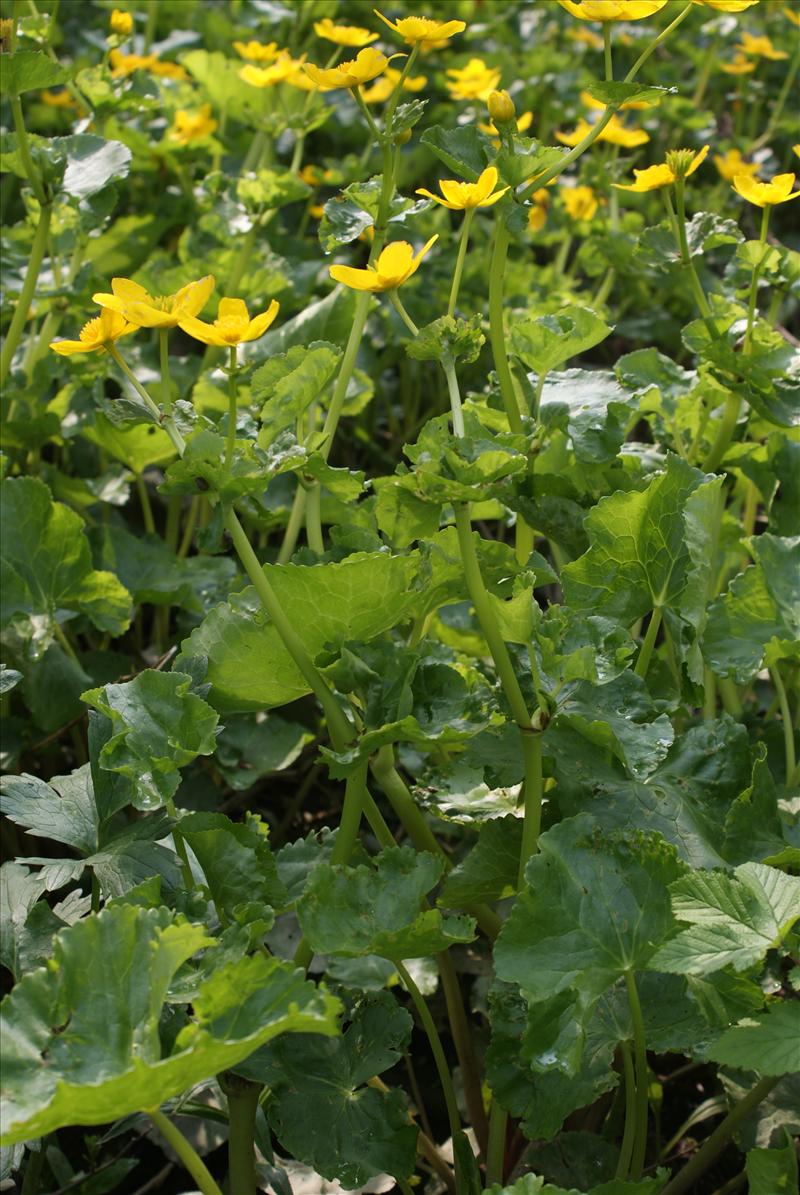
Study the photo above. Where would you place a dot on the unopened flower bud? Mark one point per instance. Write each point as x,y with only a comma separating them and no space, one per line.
501,107
679,161
121,23
403,137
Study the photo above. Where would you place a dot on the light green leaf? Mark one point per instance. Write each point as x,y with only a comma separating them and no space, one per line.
640,558
594,906
159,726
463,149
137,445
757,619
46,565
81,1038
92,163
288,383
29,70
619,93
593,409
359,598
773,1171
735,919
377,910
238,866
768,1043
549,341
320,1107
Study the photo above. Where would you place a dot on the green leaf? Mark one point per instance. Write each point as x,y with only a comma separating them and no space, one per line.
489,871
463,149
593,409
29,70
92,163
63,809
81,1038
57,574
251,746
594,906
448,338
320,1107
547,342
773,1171
137,445
20,889
288,383
159,726
734,919
640,557
757,619
9,679
359,598
271,189
768,1043
520,161
531,1184
343,220
364,910
238,866
450,468
614,94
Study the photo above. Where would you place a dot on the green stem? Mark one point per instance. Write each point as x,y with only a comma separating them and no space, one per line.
725,433
656,42
394,99
643,661
563,253
462,252
397,303
497,335
729,695
180,846
640,1056
243,1096
345,372
629,1135
496,1147
188,527
64,643
314,520
17,326
788,728
23,146
340,730
780,102
751,302
230,443
439,1058
166,384
144,502
150,27
295,522
164,421
533,793
607,61
714,1144
462,1040
190,1159
683,245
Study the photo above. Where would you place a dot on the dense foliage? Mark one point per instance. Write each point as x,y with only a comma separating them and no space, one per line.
401,668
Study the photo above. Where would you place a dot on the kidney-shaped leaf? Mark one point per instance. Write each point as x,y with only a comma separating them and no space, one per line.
80,1038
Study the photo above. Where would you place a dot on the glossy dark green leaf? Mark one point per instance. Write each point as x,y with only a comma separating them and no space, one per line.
63,809
591,407
551,340
464,149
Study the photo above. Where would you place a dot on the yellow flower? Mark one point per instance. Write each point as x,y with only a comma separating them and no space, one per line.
474,81
282,70
191,125
585,37
420,31
96,335
630,105
461,196
383,87
255,51
524,122
141,309
580,202
317,211
727,5
759,47
732,162
740,65
344,35
538,212
664,175
367,65
233,324
612,10
165,70
121,23
793,16
796,150
123,65
777,190
615,133
394,266
57,99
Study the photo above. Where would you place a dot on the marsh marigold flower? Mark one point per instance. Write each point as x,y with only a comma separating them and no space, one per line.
282,70
777,190
394,266
460,197
367,65
740,64
233,324
256,51
538,211
192,124
121,23
141,308
96,335
732,163
759,47
612,10
666,173
383,87
421,31
524,122
727,5
475,81
344,35
581,202
615,132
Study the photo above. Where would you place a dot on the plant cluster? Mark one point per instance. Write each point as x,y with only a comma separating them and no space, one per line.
400,608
